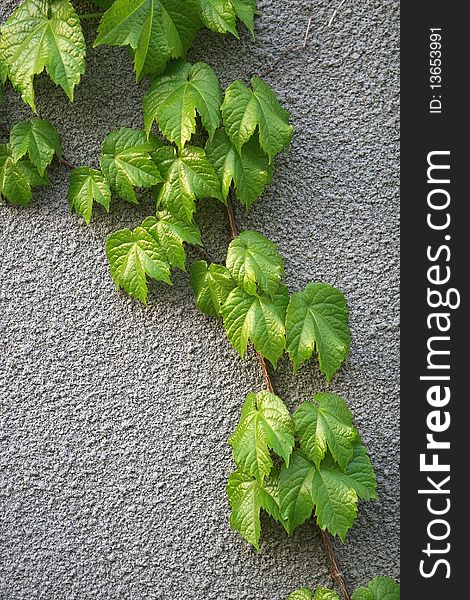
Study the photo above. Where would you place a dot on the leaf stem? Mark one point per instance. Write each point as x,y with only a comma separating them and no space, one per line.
336,573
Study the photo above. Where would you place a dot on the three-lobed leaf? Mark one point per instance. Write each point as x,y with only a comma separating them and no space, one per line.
37,138
43,34
211,284
259,319
17,178
221,15
176,97
255,263
187,175
249,169
244,110
126,162
156,30
150,250
265,425
317,320
326,425
88,185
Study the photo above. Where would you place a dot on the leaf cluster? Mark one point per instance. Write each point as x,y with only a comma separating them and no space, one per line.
379,588
248,294
312,462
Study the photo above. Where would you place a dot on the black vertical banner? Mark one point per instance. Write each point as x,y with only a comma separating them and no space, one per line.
435,270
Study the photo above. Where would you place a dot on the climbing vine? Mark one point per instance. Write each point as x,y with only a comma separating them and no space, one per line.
201,142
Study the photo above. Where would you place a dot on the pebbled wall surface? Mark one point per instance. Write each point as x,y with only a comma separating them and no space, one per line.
114,418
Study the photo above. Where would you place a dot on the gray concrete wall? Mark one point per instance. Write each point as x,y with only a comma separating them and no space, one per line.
115,417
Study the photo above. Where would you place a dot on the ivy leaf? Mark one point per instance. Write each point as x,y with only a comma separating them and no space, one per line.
301,594
156,30
43,34
39,139
249,170
260,319
317,319
171,233
326,425
255,263
335,494
265,425
295,495
134,255
17,178
320,594
219,15
246,12
174,99
85,186
269,496
211,284
126,162
243,110
244,496
187,176
380,588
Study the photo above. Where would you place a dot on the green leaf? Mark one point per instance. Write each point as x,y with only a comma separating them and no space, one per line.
255,263
243,110
361,475
150,250
326,425
295,495
171,232
324,594
244,495
246,12
174,99
211,284
156,30
17,178
39,139
380,588
126,162
269,496
219,15
43,34
260,319
265,425
301,594
317,319
134,255
249,170
85,186
187,176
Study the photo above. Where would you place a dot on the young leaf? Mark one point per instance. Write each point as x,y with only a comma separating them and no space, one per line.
295,485
326,425
150,250
260,319
219,15
255,263
156,30
246,12
85,186
187,176
380,588
324,594
43,34
249,170
174,99
335,494
17,178
243,110
265,425
302,594
39,139
317,319
126,162
244,496
211,284
269,496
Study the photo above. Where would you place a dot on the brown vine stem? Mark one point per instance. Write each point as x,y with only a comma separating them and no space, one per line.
336,572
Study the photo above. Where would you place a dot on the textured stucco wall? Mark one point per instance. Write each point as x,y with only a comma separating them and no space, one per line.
114,418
